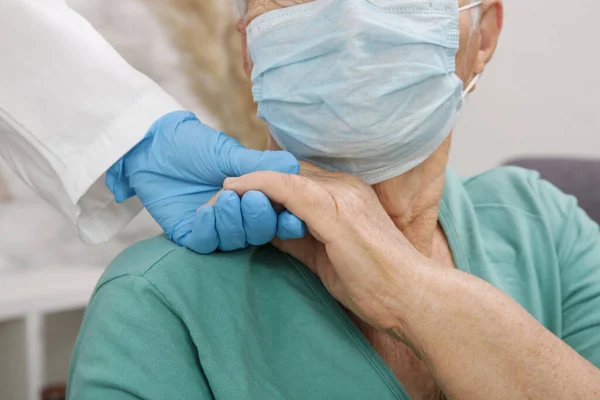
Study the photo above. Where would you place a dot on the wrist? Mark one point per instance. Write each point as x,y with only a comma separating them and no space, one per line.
118,176
421,298
445,307
117,183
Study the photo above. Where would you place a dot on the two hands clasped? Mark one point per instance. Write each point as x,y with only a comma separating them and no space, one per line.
353,245
471,335
182,164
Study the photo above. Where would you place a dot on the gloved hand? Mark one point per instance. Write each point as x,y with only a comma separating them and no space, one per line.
181,164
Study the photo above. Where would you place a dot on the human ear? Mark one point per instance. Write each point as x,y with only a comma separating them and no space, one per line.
489,27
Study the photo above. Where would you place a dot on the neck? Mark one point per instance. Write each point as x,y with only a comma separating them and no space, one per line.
412,200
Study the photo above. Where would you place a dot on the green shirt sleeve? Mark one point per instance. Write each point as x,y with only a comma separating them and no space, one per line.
577,244
133,346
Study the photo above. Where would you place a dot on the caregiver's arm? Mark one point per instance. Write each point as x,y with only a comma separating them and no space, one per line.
70,107
477,341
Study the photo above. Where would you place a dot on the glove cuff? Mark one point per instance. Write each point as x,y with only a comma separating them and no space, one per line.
117,178
117,183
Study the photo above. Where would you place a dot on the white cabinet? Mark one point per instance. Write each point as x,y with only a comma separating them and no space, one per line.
40,314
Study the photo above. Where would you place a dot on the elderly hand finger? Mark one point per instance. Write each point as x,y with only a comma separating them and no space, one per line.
305,198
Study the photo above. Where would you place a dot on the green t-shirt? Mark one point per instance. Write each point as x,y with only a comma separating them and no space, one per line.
165,323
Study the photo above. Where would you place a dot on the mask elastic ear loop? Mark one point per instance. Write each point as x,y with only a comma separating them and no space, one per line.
471,85
469,6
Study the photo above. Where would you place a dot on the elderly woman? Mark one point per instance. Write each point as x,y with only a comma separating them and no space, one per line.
413,283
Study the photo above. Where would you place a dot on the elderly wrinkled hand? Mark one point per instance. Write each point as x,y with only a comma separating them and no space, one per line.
354,246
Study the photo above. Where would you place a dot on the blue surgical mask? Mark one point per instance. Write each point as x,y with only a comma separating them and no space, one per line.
367,87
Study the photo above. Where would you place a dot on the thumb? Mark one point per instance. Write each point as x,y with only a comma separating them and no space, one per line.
236,160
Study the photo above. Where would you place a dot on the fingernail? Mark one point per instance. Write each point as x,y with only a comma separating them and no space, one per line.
230,182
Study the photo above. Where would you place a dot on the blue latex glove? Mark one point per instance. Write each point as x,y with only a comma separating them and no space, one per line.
181,164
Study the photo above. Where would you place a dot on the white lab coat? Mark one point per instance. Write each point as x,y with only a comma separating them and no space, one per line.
70,107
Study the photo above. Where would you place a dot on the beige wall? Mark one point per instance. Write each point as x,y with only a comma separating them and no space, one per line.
541,94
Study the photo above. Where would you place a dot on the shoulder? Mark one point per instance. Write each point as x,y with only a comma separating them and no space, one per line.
177,273
137,259
133,328
519,190
528,212
150,256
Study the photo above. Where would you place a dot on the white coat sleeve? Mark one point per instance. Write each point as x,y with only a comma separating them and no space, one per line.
70,107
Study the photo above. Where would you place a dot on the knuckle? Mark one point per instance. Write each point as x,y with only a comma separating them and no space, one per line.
351,202
296,184
288,180
353,196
